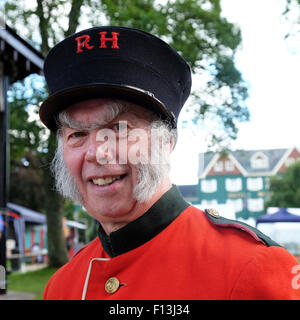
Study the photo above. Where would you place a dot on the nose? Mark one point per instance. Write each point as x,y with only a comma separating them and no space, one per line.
100,152
105,154
90,155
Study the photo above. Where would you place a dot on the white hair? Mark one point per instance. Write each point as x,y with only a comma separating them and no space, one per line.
115,108
64,181
149,175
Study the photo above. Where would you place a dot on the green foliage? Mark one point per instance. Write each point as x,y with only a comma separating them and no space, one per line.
25,132
292,15
195,28
28,143
285,189
31,149
208,42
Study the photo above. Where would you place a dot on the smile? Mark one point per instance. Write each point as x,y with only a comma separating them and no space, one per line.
106,181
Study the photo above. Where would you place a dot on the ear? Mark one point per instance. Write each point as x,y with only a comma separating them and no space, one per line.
172,143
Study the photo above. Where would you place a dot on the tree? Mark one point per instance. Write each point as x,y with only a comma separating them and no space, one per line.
285,189
292,13
195,28
32,148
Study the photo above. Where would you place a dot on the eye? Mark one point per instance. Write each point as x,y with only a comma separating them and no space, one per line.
120,126
77,134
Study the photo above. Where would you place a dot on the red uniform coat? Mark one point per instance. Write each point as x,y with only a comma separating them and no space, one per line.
194,257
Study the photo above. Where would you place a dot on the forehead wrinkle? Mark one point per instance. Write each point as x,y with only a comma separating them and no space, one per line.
80,125
114,108
110,115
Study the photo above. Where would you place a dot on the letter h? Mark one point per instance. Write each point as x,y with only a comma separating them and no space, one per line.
113,39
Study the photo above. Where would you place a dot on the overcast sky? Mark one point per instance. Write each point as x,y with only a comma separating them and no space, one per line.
271,66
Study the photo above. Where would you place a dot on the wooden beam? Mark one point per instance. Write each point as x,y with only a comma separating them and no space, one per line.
21,48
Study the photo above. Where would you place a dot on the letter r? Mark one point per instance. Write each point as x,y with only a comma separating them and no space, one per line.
85,43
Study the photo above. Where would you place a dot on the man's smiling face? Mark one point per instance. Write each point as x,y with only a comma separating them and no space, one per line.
107,190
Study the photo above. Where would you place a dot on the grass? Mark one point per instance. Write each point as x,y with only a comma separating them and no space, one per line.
30,282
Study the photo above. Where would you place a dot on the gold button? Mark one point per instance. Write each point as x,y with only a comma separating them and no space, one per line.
213,212
112,285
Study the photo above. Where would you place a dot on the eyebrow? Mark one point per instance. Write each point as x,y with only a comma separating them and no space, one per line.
116,109
65,121
79,125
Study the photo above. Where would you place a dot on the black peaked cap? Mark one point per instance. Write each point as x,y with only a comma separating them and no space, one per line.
119,63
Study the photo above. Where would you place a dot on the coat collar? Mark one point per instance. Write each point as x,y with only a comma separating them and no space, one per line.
146,227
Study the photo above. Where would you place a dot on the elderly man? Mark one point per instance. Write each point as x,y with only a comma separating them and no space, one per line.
115,98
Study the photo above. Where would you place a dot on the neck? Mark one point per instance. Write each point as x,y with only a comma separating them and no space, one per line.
138,210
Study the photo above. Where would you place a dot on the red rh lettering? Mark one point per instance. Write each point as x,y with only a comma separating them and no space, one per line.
113,39
84,43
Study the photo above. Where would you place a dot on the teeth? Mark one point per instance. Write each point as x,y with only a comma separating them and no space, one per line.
105,181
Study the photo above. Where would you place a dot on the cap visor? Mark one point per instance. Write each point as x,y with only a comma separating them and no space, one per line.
62,100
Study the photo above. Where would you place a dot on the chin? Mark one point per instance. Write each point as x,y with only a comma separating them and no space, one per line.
105,211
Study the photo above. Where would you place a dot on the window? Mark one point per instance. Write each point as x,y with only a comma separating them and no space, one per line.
229,166
209,186
233,185
255,184
259,161
237,204
255,205
218,166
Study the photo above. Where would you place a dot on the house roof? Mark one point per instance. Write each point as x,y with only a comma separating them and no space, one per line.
20,58
27,214
244,158
204,160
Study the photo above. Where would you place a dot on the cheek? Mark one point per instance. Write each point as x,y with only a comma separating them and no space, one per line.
134,174
73,162
122,151
139,151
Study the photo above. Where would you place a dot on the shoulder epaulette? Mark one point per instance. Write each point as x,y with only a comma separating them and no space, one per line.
214,216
